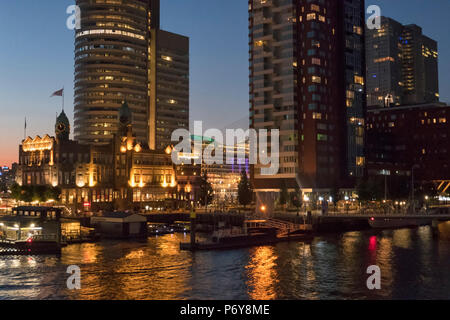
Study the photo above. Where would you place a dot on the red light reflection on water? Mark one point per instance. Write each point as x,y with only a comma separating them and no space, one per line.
373,243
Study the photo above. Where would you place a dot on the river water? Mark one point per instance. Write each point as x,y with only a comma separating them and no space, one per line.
413,264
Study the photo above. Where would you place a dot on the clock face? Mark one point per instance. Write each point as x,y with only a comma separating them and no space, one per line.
61,127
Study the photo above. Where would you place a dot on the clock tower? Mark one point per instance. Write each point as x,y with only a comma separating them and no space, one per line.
62,127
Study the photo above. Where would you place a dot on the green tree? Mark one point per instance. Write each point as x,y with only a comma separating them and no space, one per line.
39,193
53,193
284,194
16,191
27,194
370,189
296,198
335,195
206,190
245,192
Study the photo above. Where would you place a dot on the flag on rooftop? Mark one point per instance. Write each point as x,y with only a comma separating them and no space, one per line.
58,93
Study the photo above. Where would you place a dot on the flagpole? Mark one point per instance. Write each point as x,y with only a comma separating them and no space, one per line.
63,100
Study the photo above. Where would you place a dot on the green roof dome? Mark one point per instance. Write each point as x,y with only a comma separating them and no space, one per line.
125,114
62,126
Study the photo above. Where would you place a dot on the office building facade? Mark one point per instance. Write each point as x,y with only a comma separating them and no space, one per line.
117,60
307,70
402,65
403,137
169,104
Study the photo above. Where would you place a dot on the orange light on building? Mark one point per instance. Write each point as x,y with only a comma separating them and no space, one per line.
81,184
129,145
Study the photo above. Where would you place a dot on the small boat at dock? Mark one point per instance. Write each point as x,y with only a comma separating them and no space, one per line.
159,229
32,246
397,223
254,237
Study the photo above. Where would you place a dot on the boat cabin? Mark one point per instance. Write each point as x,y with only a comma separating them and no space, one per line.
31,222
120,225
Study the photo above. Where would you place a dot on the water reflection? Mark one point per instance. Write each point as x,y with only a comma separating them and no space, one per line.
262,275
414,265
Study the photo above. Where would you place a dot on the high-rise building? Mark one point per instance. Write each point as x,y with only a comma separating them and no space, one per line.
402,65
169,104
307,75
410,137
117,60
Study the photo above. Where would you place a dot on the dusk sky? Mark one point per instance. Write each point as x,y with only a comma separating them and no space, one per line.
37,59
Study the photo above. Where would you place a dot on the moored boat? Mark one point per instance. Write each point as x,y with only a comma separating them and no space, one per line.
397,223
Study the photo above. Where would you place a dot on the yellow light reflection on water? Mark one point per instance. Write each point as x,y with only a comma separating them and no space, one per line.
262,274
402,238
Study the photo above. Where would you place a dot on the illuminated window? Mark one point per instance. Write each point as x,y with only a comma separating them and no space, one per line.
384,59
350,94
316,79
315,7
360,161
311,16
359,80
357,30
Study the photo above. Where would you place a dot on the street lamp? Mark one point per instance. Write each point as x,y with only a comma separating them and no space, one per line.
187,191
415,166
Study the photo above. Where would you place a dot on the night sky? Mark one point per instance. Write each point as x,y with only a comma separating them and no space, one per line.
36,59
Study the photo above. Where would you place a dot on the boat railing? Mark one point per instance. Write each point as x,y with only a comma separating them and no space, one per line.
44,237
